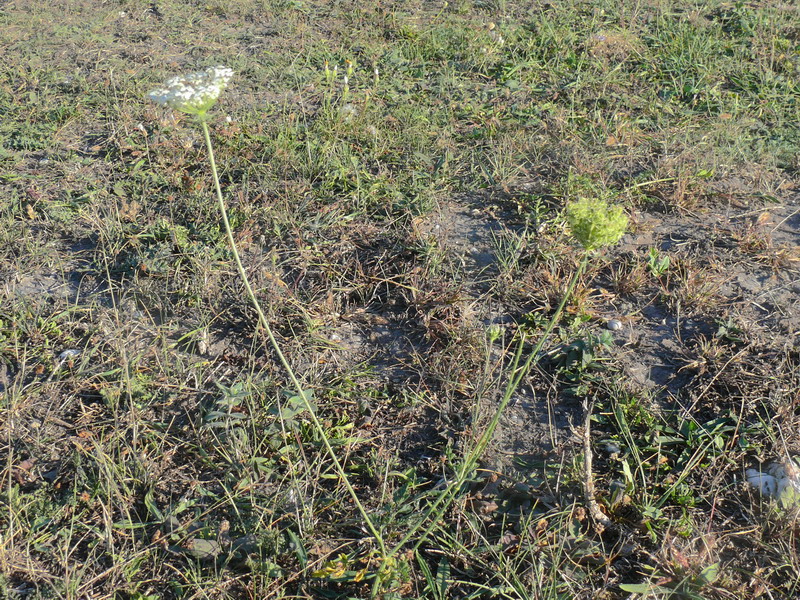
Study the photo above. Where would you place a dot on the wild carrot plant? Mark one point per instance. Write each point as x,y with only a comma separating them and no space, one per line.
195,94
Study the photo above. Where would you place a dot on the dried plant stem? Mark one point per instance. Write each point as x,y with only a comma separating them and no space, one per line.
600,519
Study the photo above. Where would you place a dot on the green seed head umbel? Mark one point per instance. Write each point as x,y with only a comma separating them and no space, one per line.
595,223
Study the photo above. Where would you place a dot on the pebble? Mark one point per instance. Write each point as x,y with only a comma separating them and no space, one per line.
614,324
67,354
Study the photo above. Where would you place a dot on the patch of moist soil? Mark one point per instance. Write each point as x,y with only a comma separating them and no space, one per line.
393,348
652,349
380,340
44,284
537,425
464,233
69,281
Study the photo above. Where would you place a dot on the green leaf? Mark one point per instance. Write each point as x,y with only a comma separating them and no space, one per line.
643,588
426,571
626,469
442,577
128,524
652,512
710,574
297,545
202,549
789,497
152,508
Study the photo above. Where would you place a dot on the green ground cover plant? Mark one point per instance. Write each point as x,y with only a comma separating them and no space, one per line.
473,299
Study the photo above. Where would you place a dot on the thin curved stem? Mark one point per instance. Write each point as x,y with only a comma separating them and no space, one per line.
437,509
262,319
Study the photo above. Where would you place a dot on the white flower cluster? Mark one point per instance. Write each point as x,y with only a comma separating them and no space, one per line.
194,93
779,480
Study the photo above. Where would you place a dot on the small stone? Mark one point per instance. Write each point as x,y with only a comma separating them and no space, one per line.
67,354
247,544
172,525
614,324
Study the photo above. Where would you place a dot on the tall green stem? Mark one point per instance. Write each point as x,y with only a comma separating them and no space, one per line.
437,509
262,319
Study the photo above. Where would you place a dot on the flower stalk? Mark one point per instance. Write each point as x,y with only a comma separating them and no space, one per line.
593,223
195,94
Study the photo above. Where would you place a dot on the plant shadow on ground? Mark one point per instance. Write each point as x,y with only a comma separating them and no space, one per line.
404,229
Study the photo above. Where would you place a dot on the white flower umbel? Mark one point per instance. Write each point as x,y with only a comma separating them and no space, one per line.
194,93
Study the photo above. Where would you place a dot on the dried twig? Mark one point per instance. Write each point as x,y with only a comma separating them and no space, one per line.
601,520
